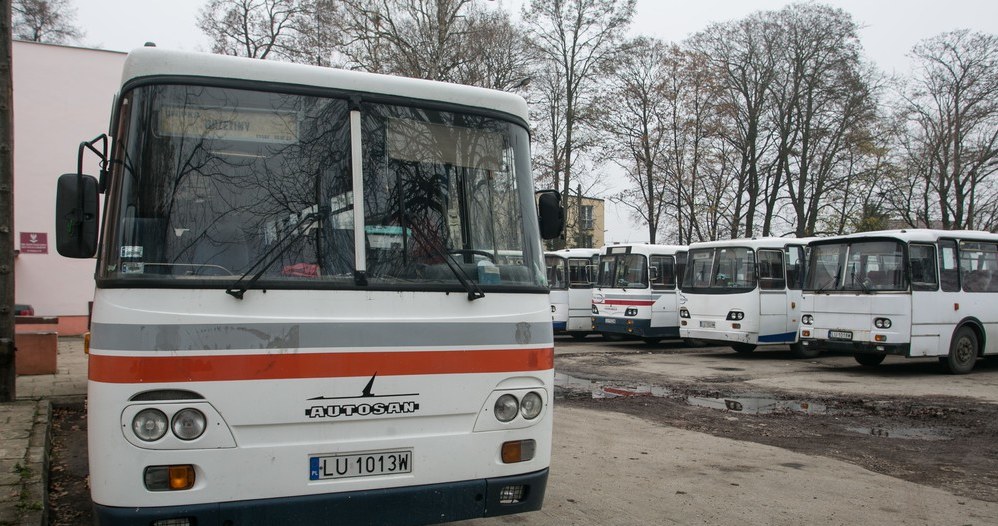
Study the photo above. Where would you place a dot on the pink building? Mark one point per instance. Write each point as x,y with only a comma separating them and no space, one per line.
62,96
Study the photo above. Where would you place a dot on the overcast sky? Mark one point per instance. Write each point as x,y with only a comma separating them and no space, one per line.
890,29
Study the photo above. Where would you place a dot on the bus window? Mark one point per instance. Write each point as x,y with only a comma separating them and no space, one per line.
556,272
771,272
795,267
922,261
978,262
664,272
949,274
580,273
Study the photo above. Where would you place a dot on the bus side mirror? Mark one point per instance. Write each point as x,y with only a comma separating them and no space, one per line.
550,215
76,216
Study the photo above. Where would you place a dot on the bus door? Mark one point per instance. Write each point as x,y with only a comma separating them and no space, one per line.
774,308
581,276
665,309
795,265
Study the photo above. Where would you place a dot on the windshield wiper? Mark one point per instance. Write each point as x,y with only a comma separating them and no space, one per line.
265,261
830,282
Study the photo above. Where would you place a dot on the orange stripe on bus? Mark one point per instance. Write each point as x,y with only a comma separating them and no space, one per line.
218,368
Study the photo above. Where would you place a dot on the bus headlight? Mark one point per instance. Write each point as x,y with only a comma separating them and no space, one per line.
531,405
595,310
736,315
684,313
150,425
189,424
807,319
506,408
631,311
882,323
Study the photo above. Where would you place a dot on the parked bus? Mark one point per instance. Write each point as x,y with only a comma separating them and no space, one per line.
745,293
300,314
636,294
571,273
913,293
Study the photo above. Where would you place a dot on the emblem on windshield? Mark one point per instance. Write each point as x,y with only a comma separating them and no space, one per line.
363,407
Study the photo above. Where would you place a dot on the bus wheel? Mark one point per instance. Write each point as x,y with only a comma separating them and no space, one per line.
869,359
962,352
801,351
578,335
743,348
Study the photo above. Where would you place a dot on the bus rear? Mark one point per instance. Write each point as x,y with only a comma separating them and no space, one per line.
301,312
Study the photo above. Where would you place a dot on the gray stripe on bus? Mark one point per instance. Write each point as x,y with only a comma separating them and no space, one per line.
197,337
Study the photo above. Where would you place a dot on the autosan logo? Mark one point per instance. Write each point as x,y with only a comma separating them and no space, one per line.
365,405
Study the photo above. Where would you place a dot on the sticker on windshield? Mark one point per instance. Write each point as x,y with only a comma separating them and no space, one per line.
131,251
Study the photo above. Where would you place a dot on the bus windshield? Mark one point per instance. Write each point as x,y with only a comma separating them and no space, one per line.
213,183
720,270
623,271
862,266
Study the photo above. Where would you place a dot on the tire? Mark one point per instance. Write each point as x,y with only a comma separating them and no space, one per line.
743,348
962,352
869,360
579,335
799,350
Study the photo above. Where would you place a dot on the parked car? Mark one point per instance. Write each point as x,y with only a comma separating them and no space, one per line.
23,309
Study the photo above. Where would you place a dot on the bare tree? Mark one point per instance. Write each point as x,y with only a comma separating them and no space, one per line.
743,56
50,21
952,120
637,129
252,28
578,40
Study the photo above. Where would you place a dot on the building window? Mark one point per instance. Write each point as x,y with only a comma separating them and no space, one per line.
586,217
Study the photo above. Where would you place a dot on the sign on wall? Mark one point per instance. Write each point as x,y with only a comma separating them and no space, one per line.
34,243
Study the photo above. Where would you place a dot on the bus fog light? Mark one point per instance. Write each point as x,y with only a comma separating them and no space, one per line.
736,325
149,425
169,478
880,338
805,333
518,451
506,408
531,405
882,323
189,424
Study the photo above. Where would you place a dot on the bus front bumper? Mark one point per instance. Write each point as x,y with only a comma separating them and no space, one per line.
638,328
430,504
901,349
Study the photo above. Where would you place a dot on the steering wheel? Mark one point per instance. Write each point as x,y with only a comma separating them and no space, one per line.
473,252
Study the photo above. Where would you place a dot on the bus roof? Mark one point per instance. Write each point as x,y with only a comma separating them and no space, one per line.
573,252
754,242
151,62
914,234
641,248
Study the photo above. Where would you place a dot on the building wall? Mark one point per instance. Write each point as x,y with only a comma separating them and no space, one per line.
577,229
62,96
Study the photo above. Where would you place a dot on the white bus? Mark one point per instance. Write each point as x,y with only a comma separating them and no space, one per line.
300,314
571,273
636,294
745,293
913,293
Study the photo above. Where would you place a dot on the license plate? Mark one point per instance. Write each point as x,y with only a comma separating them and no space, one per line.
322,467
610,321
707,325
840,335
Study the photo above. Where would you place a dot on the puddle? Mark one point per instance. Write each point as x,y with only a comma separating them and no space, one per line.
903,433
758,405
600,389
